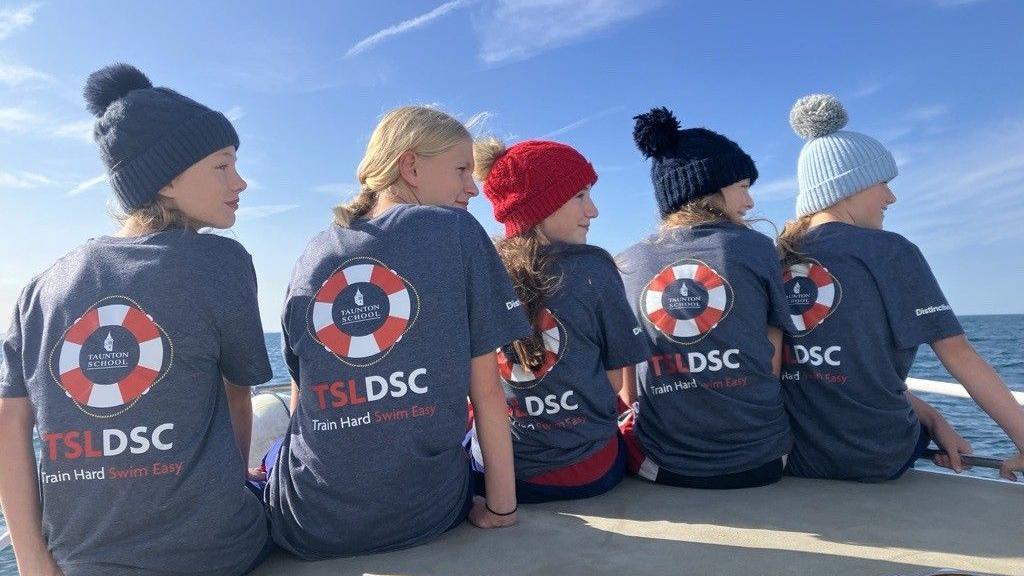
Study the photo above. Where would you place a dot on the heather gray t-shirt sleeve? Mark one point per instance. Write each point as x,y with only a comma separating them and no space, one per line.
12,379
625,342
243,350
291,359
915,306
778,304
496,316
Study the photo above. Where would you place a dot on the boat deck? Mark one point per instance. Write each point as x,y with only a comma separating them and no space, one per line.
912,526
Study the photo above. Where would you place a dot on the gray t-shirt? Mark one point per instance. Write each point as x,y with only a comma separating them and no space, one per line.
863,301
709,403
380,324
565,411
122,347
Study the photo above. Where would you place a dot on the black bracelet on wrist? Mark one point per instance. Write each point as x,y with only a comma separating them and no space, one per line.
516,507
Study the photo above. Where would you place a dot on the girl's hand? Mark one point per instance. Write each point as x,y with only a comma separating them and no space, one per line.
951,443
256,474
481,517
1010,465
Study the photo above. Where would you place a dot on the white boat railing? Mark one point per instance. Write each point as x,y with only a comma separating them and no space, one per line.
948,389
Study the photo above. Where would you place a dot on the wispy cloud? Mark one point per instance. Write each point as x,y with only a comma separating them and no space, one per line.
867,89
17,120
14,19
343,189
520,29
890,133
23,180
278,64
929,112
773,190
265,211
954,3
235,113
403,27
963,187
81,131
14,75
582,121
87,185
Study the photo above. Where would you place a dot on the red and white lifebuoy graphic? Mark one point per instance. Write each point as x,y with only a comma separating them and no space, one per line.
151,357
825,300
677,326
391,329
518,375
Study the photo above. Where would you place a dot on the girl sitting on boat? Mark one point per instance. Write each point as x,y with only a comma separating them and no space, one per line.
708,291
392,317
560,381
863,300
133,354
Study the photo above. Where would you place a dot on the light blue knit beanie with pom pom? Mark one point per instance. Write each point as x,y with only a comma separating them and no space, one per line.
834,163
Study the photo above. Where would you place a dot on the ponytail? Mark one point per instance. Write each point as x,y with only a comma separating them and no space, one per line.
486,152
528,268
357,207
788,243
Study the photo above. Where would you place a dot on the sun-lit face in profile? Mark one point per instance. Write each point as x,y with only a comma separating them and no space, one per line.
445,179
736,200
867,207
571,222
208,191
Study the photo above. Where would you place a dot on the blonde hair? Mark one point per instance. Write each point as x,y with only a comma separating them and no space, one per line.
788,242
486,152
156,216
421,129
700,211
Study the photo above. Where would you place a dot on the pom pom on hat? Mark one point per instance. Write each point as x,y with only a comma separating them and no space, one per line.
656,133
106,85
817,115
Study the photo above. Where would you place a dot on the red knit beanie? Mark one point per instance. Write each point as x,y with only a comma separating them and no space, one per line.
532,180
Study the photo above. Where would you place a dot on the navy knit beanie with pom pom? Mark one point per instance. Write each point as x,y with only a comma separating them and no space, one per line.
148,135
688,164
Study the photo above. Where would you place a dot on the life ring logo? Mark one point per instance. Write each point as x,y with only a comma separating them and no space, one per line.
110,357
812,292
555,341
686,300
362,310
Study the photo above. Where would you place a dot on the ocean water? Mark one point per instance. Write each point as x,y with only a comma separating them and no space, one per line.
999,339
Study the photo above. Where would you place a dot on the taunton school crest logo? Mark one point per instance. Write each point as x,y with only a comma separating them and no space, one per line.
686,300
813,294
110,357
555,341
362,310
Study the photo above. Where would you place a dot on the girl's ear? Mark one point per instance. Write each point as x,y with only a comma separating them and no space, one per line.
407,167
168,190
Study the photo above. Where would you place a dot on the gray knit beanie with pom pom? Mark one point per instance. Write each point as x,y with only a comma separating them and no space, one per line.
834,163
148,135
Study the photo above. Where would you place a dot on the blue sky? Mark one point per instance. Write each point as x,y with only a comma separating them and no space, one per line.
935,80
